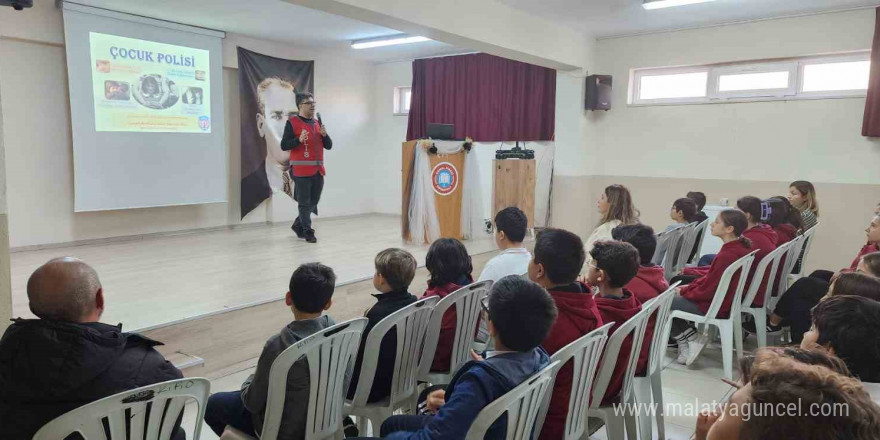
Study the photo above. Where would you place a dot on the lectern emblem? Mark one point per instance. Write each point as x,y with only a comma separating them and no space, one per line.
444,178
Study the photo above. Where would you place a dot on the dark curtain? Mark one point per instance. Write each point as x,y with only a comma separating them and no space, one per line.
871,121
485,97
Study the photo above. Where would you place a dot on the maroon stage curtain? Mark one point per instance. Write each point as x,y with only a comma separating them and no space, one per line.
487,98
871,121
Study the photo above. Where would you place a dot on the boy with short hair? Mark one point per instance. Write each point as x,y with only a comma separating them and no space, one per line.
511,226
649,282
615,263
395,270
849,328
557,261
520,316
309,295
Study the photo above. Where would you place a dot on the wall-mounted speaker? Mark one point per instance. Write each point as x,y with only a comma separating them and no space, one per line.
598,92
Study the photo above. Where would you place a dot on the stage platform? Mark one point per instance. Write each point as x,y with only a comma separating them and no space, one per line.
155,281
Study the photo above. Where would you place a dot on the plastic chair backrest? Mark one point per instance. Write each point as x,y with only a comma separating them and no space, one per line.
467,313
410,324
743,265
805,248
667,238
521,404
140,409
770,260
699,234
634,327
680,251
791,257
662,306
329,352
584,354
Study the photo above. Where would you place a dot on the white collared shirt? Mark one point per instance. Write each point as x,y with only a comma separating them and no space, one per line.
513,261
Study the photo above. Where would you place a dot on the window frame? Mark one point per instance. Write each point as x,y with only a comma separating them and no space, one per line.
795,66
399,104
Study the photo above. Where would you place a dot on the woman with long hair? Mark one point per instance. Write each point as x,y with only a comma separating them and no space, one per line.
616,208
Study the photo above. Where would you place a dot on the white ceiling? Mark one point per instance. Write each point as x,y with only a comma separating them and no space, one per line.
278,21
604,18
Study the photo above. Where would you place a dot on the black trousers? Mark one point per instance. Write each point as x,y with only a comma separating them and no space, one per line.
796,303
307,193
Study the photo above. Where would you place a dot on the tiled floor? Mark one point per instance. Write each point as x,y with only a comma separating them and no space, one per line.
682,387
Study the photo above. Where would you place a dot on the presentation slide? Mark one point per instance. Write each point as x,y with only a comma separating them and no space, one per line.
145,86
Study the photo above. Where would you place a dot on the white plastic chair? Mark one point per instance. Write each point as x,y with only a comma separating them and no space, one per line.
699,234
584,354
682,250
142,407
805,250
730,327
467,315
664,240
759,314
410,324
521,404
610,414
791,257
651,385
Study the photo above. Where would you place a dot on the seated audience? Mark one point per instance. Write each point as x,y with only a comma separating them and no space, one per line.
520,313
395,270
778,380
450,268
511,226
849,327
784,219
794,309
762,236
697,295
558,257
67,358
700,199
802,196
806,291
615,264
682,212
649,282
309,295
616,208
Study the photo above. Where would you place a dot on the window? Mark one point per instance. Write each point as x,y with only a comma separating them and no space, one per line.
834,76
402,98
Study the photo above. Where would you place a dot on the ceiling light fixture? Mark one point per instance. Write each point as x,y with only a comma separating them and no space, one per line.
387,41
659,4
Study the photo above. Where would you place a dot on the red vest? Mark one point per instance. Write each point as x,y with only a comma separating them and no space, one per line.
307,159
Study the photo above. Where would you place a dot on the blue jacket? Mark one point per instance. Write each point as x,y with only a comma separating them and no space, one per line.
475,385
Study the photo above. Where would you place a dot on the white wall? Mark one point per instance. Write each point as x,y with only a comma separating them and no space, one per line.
818,140
390,133
39,150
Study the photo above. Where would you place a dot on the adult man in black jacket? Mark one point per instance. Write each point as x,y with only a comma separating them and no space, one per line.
66,359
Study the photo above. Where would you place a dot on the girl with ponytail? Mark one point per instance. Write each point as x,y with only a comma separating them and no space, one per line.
696,296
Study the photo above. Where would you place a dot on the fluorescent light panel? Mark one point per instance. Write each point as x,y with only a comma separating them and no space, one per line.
659,4
387,41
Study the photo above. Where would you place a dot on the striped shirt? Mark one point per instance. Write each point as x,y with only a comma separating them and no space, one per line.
809,219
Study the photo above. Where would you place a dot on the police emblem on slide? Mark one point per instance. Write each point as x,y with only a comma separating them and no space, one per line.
444,178
204,123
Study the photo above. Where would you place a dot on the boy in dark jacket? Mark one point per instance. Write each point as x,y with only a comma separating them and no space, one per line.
520,315
649,282
309,296
557,260
395,270
67,359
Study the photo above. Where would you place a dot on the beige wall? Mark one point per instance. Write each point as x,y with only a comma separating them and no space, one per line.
5,283
39,146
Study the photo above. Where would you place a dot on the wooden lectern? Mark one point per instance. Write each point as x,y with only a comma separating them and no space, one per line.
514,185
448,205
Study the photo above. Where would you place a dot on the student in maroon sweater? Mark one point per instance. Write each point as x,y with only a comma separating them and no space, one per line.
762,236
614,264
450,267
649,282
556,262
784,219
697,296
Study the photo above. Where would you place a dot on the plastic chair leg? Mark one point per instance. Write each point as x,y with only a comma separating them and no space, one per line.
738,336
642,391
761,327
726,330
615,427
657,390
